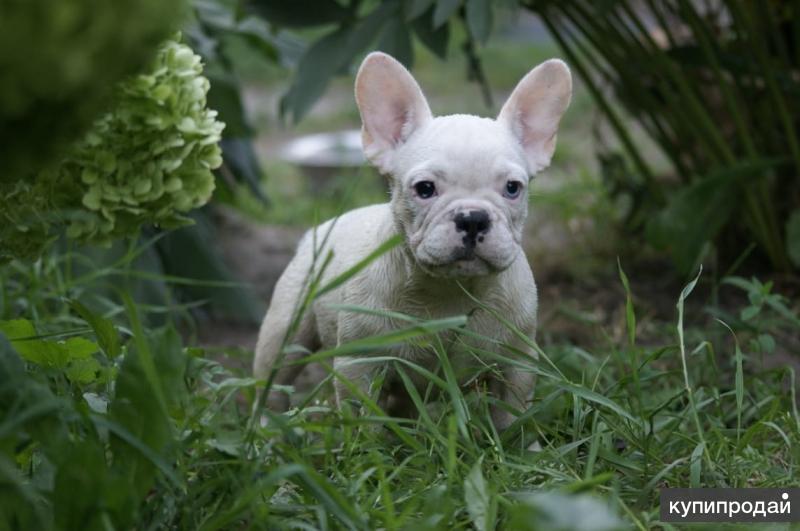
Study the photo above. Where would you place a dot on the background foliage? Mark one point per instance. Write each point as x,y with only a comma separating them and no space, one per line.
701,80
148,160
714,85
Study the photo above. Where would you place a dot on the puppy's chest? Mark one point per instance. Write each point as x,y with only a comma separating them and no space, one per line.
462,345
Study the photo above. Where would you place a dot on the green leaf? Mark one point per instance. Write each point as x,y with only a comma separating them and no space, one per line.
22,335
692,218
225,96
630,316
103,328
18,329
479,19
329,56
83,371
749,312
793,237
417,8
79,348
739,387
766,343
240,158
443,11
477,499
697,212
592,396
696,465
396,41
435,39
256,33
300,13
150,385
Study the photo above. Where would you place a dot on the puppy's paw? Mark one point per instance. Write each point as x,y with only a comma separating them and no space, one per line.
502,419
277,400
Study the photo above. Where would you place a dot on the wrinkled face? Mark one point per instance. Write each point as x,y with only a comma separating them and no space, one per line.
460,182
459,194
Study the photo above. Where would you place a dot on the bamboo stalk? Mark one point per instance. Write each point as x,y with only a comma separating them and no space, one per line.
613,119
691,98
666,138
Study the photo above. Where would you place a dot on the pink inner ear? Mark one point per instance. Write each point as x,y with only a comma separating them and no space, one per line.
392,107
401,115
538,129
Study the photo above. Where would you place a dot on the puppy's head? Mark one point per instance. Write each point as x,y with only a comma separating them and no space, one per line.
459,182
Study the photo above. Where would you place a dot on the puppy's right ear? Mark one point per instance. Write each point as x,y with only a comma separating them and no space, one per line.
392,107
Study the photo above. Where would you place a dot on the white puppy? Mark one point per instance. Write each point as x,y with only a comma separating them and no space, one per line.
459,200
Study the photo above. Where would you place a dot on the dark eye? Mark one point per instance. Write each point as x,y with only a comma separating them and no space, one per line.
425,189
513,189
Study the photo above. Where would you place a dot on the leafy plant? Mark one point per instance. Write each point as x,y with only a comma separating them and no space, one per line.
387,25
93,456
711,85
58,66
148,160
211,29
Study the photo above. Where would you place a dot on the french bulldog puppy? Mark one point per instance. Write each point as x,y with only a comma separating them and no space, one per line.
459,198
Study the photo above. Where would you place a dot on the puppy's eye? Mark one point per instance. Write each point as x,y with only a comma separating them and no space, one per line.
513,189
425,189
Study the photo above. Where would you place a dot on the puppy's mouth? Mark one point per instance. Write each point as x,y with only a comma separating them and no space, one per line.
464,262
464,254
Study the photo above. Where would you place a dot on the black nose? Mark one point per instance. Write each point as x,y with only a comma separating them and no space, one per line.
474,222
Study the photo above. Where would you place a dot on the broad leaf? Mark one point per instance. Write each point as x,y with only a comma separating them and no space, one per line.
696,213
52,354
435,39
137,410
444,10
240,158
103,328
329,56
300,13
479,19
396,41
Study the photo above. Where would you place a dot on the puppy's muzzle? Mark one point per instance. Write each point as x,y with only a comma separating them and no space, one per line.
474,224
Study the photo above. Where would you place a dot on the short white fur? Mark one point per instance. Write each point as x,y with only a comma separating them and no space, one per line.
470,162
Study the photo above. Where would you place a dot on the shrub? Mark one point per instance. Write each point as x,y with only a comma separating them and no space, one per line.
58,65
147,160
712,84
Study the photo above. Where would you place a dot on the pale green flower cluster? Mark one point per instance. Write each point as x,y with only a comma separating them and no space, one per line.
149,159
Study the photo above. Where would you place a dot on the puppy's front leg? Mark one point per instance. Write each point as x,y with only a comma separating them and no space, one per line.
514,387
359,374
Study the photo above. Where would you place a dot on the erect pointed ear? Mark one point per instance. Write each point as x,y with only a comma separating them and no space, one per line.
392,107
534,109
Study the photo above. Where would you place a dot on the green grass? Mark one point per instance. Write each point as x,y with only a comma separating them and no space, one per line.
130,427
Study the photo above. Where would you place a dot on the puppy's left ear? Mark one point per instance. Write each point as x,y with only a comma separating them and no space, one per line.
534,110
392,107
